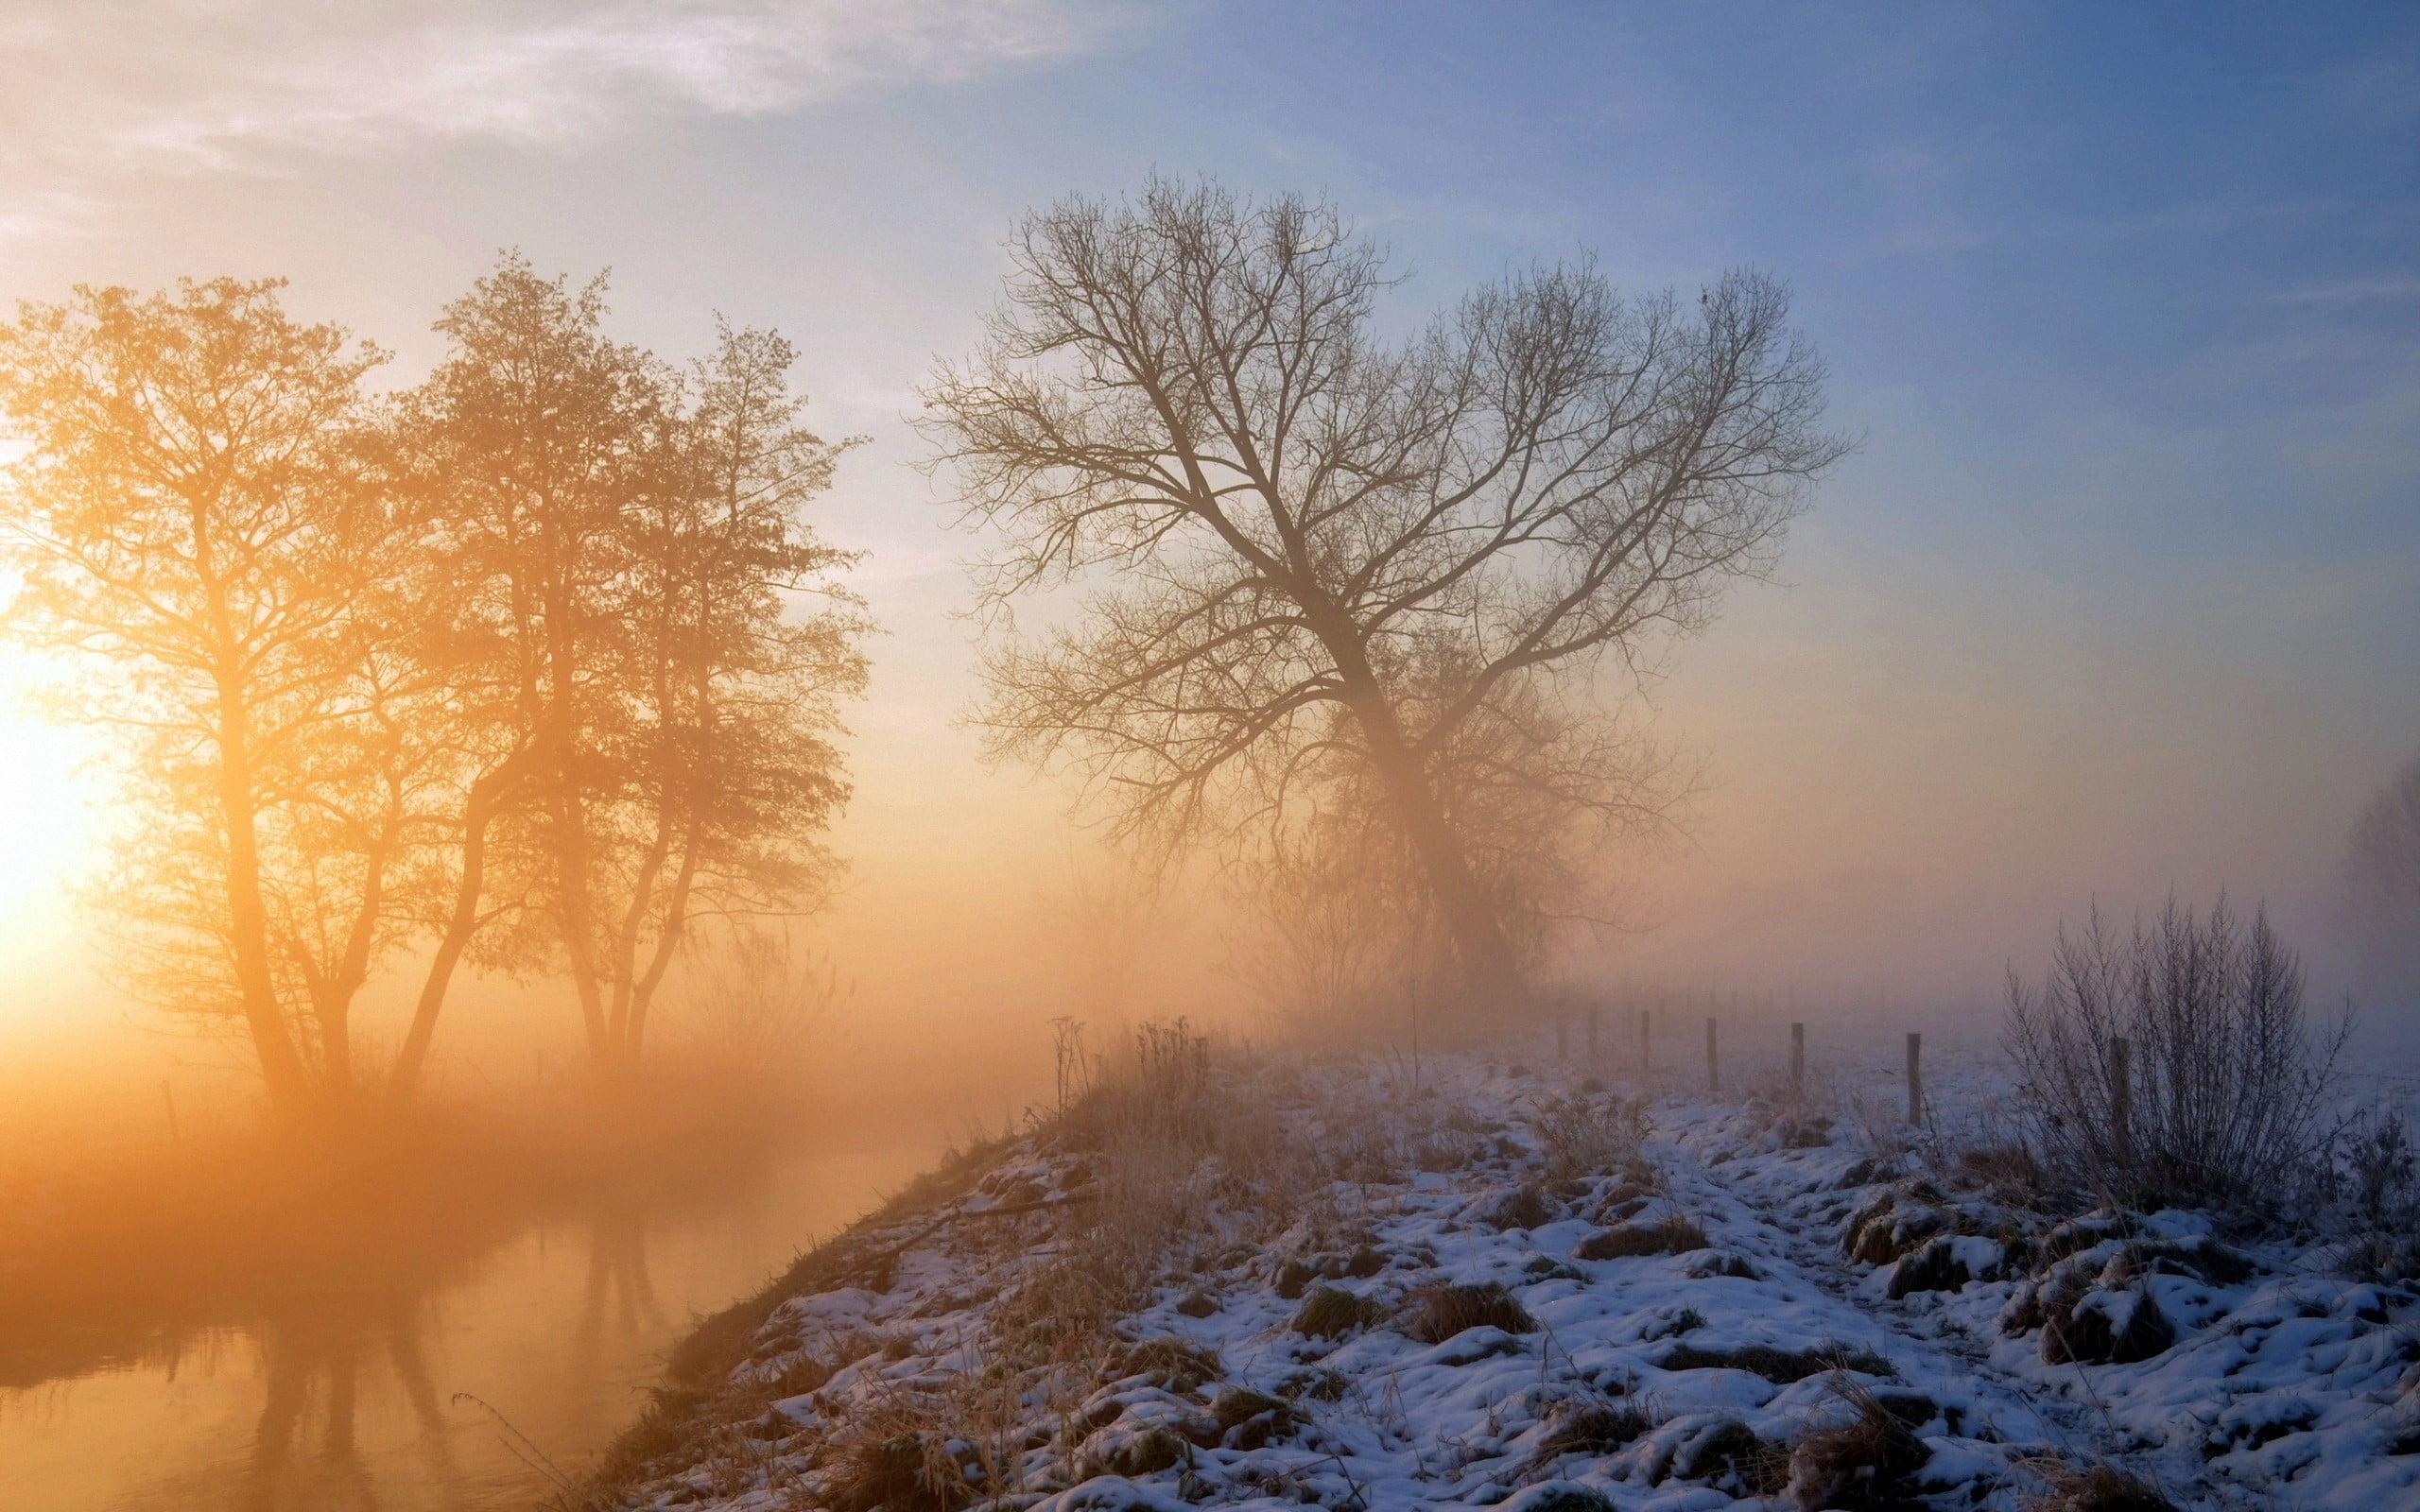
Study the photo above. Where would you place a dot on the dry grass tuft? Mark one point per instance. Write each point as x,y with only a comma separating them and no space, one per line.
1432,1315
1172,1365
1331,1313
1668,1236
2097,1487
1780,1366
1866,1461
1525,1207
1595,1425
1582,1134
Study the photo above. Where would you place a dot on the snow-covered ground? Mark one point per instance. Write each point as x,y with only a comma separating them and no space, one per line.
1468,1283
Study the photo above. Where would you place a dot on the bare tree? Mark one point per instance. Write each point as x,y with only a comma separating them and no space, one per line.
2383,882
1320,544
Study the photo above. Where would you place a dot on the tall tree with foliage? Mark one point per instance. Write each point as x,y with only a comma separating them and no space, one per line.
1309,546
631,576
543,433
188,514
744,644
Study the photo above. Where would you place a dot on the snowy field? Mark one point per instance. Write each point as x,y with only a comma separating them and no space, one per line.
1473,1282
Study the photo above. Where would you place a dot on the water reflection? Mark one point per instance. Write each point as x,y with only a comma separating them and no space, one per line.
305,1450
618,1293
401,1393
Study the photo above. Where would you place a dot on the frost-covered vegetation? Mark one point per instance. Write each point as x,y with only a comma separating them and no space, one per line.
1225,1279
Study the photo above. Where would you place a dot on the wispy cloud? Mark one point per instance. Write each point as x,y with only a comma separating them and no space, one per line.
2356,291
89,87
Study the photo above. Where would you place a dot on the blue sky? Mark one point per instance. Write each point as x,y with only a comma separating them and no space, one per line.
2120,591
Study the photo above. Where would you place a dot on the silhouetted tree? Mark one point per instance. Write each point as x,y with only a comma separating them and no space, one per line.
548,433
1323,546
2383,882
631,580
744,645
187,512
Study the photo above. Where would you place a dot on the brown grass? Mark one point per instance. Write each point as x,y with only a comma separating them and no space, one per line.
1434,1313
1780,1366
2096,1487
1331,1313
1865,1461
1667,1236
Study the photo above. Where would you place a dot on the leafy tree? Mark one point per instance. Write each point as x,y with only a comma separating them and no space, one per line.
745,644
629,574
187,513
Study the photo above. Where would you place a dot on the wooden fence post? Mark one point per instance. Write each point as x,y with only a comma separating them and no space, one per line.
1915,1079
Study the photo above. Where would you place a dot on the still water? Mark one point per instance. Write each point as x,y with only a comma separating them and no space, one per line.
363,1399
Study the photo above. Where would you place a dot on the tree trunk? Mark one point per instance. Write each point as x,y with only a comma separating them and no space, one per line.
478,811
667,942
574,909
1491,975
282,1070
626,940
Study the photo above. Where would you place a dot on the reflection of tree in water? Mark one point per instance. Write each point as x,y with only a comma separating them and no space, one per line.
324,1356
619,1295
304,1454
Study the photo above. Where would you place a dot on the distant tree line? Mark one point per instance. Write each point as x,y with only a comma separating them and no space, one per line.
532,666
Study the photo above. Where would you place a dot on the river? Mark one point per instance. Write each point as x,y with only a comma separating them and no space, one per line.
349,1399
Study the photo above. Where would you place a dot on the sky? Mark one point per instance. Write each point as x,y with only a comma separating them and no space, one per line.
2119,592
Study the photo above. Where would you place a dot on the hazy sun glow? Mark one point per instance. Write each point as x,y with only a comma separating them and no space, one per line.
47,816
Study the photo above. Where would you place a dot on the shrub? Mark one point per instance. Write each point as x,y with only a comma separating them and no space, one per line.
2385,1198
2224,1082
1585,1135
903,1472
2104,1326
1435,1313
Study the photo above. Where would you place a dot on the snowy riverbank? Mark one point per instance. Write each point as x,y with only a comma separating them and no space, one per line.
1363,1286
